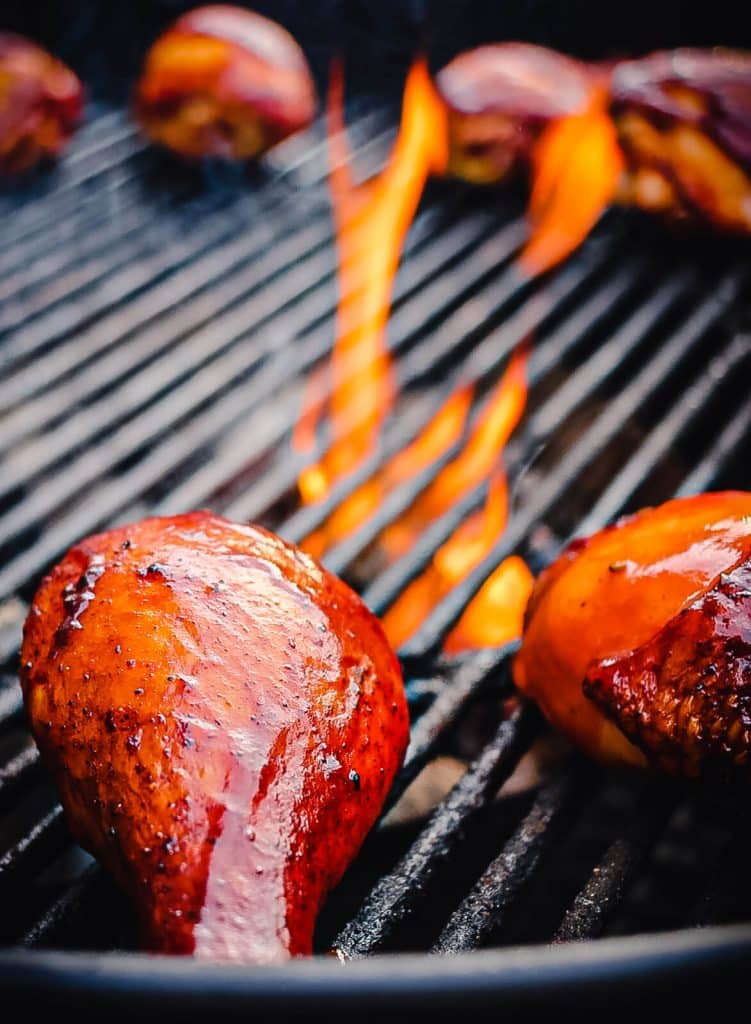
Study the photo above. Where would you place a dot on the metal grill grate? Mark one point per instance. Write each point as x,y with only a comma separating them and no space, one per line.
146,328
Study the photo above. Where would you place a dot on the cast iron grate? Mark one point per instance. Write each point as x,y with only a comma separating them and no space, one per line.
148,316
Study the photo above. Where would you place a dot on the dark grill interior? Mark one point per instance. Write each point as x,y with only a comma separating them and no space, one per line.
150,316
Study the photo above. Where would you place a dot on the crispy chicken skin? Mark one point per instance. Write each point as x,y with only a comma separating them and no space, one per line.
499,98
684,123
637,640
40,104
226,82
223,719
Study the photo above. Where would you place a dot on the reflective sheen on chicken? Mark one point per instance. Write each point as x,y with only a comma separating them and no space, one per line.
637,640
223,719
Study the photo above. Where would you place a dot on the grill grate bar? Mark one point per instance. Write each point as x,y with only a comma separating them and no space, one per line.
688,409
258,213
468,680
91,212
13,613
93,277
615,294
73,215
78,189
66,231
592,907
483,910
165,370
11,704
246,208
226,269
56,324
607,425
17,771
42,843
610,357
95,235
727,445
398,894
107,205
75,187
62,912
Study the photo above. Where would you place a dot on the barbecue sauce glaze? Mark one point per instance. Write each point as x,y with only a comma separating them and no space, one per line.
223,719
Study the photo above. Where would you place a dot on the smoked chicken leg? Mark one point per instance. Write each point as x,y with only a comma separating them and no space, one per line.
637,640
223,719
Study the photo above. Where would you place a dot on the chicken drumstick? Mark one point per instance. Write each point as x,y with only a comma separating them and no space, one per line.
223,719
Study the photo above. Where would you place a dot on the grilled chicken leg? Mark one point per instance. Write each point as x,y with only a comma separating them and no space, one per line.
223,719
637,640
500,98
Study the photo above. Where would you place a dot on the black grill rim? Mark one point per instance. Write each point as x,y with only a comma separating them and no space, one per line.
704,962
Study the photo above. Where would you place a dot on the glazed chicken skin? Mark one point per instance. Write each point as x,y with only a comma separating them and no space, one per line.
40,104
499,98
637,640
224,82
223,719
684,123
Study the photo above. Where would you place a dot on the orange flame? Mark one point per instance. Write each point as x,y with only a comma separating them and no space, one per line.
576,166
443,430
473,465
495,614
371,222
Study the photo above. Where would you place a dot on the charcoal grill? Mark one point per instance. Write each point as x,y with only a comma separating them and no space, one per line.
156,329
